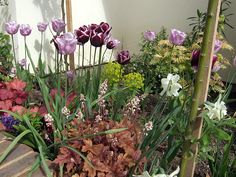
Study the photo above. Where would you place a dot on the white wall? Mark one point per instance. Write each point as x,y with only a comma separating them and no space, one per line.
129,18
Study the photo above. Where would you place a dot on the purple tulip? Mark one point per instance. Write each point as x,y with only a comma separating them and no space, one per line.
58,25
22,62
149,35
25,30
216,67
42,26
218,45
82,34
195,59
177,37
12,27
97,39
123,57
70,74
112,43
99,34
66,43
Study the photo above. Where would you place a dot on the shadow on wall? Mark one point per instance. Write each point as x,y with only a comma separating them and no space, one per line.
113,13
137,16
49,10
4,17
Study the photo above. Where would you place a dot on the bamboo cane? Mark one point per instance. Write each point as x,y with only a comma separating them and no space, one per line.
194,128
69,21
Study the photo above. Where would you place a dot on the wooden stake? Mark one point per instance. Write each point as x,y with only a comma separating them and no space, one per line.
69,22
194,129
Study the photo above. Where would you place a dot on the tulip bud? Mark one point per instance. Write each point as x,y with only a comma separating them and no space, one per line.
97,39
25,30
177,37
123,57
22,62
149,35
12,27
195,59
58,25
112,43
82,34
70,74
218,45
42,26
66,43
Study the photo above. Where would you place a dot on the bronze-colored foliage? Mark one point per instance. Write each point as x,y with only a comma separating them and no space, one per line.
112,155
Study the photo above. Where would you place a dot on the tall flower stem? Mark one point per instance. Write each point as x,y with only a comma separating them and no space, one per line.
25,52
194,128
13,49
41,45
79,60
90,55
99,63
103,56
25,45
83,56
111,55
94,56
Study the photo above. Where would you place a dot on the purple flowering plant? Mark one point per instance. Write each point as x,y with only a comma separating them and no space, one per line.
162,53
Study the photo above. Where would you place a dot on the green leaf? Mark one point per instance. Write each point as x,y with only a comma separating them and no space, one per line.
13,144
221,134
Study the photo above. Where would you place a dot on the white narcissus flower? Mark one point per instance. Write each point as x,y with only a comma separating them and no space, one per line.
170,85
216,110
173,174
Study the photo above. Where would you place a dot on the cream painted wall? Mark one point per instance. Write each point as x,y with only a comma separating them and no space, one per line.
129,18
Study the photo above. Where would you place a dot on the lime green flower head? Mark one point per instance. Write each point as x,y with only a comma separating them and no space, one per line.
133,80
113,72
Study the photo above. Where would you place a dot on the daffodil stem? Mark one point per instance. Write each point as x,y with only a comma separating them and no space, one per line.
194,127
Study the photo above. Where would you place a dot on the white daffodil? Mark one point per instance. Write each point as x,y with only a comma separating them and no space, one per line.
173,174
170,85
216,110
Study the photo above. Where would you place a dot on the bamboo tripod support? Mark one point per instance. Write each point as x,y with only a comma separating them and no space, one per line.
194,129
69,21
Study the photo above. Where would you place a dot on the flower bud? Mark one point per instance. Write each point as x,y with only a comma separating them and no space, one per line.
25,30
12,27
123,57
149,35
177,37
42,26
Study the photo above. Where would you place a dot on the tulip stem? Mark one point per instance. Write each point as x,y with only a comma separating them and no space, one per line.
25,45
41,45
90,55
111,55
94,57
79,60
103,56
13,48
83,56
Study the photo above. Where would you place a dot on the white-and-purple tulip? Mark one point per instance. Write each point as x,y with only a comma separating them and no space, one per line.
177,37
12,27
25,29
42,26
149,35
66,43
58,25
